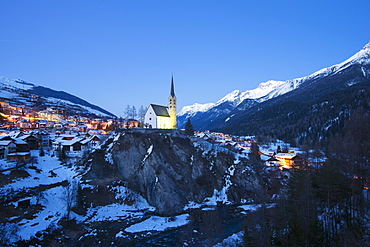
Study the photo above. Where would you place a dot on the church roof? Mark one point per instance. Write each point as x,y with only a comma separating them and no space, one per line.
160,110
172,93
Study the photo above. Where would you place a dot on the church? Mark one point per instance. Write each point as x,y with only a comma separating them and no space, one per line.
162,117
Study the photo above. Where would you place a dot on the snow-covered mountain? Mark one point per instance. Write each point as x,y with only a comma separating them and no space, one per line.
347,73
206,113
21,93
234,98
360,58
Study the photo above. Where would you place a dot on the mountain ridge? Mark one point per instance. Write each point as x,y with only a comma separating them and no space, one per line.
346,74
21,92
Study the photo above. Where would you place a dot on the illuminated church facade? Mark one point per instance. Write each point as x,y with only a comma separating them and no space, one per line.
162,117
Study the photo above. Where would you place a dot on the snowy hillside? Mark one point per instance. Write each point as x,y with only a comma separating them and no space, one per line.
22,93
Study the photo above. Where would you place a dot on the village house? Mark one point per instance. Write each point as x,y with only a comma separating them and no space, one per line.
288,160
130,123
13,148
44,138
97,140
50,115
31,140
19,155
272,162
23,124
72,146
6,147
44,124
22,146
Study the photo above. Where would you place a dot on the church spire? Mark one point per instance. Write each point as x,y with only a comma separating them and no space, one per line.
172,106
172,93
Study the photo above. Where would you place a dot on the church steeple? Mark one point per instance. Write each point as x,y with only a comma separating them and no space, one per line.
172,92
172,106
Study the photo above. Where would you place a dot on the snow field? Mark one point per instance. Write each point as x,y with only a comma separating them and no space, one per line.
156,223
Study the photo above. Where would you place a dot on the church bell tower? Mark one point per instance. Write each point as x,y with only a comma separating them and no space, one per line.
172,106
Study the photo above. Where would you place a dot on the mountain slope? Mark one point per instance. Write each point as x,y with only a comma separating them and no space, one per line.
315,121
353,71
22,93
203,114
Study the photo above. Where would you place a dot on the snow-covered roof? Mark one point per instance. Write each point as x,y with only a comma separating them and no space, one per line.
84,141
19,153
19,141
69,142
5,143
24,137
285,155
15,134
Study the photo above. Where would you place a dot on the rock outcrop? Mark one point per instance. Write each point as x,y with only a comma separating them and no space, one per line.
170,171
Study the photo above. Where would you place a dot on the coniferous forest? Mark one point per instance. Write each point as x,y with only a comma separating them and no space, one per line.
315,122
326,206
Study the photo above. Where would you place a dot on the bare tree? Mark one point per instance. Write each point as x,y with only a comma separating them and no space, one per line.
69,196
133,112
141,114
127,112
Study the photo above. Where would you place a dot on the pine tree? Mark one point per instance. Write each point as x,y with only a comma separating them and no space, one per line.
303,227
189,130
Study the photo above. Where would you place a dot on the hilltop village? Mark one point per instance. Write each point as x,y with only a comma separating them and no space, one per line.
48,131
23,129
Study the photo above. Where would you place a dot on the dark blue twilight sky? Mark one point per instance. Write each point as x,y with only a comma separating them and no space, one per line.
115,53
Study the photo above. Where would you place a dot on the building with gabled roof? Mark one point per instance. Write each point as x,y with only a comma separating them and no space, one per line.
6,147
162,117
157,117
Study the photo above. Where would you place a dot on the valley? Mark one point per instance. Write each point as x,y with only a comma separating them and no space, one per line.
285,164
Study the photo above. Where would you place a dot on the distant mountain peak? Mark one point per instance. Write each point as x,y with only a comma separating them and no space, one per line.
234,98
192,109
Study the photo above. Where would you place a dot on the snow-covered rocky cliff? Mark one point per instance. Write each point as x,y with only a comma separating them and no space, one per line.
171,172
